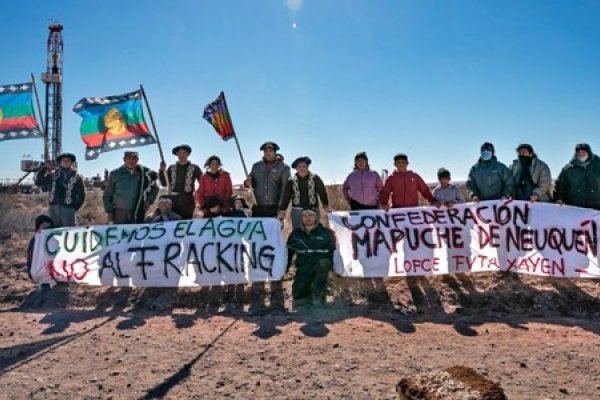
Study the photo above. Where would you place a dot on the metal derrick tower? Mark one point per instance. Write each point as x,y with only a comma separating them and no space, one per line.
53,80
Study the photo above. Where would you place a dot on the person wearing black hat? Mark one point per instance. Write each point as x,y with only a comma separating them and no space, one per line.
304,190
489,179
268,177
313,245
130,191
447,193
67,192
216,182
362,187
579,181
531,176
404,186
182,177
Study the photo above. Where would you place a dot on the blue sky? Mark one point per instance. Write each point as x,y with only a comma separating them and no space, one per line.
432,79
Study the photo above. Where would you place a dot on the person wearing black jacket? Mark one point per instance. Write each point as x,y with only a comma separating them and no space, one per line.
67,192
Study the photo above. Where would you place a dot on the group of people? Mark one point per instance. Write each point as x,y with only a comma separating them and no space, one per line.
132,189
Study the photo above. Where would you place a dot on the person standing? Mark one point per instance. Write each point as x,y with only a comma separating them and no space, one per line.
313,245
489,179
303,190
404,186
532,179
183,176
446,193
362,186
268,177
130,191
67,192
216,182
579,181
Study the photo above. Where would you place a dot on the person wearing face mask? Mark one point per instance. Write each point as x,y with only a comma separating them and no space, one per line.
489,179
579,181
532,179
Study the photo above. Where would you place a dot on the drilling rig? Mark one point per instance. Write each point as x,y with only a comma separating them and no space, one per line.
53,80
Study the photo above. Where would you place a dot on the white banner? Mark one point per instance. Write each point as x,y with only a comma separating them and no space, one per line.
532,238
172,254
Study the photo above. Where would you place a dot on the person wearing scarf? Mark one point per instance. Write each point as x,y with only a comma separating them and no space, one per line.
532,179
67,192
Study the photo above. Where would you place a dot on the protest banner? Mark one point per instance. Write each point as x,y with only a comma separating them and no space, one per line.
531,238
188,253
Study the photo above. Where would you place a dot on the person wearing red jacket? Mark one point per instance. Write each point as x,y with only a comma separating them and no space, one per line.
404,185
214,183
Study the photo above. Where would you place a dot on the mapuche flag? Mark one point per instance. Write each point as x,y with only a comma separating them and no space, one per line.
217,114
17,119
112,123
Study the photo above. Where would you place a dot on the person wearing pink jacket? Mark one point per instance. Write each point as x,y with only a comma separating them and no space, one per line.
361,188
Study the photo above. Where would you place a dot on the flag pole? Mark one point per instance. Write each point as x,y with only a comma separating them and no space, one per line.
162,157
44,133
239,149
237,143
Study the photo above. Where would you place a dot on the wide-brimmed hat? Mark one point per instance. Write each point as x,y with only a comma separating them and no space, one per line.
267,145
181,147
299,160
70,156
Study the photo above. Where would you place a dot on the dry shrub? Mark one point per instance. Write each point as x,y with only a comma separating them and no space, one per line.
18,212
92,211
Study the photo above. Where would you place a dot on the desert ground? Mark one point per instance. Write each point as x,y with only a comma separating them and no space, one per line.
538,338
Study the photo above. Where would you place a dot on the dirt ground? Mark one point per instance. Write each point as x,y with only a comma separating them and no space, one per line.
539,338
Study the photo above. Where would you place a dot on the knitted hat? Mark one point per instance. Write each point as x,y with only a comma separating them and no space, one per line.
131,154
309,210
583,146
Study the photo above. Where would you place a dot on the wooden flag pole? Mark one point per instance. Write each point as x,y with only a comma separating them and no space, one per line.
237,143
162,157
44,133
